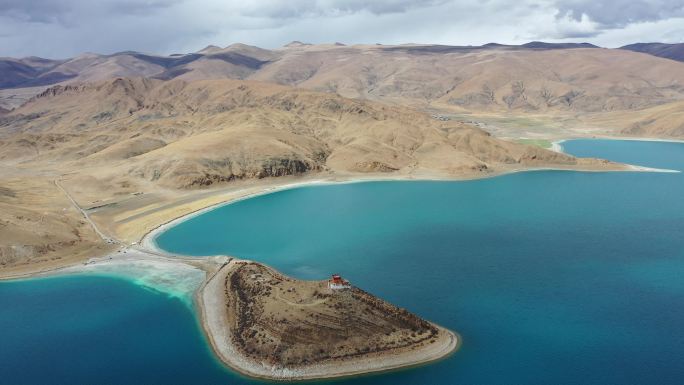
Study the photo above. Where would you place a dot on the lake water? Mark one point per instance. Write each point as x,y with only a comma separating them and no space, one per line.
551,277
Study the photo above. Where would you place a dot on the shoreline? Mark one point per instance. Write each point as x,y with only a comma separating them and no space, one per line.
207,303
148,249
148,239
635,139
557,146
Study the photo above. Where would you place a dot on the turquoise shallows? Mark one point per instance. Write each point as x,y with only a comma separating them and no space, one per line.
100,330
551,277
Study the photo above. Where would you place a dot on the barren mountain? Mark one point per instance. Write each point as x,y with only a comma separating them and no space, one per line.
665,121
28,72
235,61
497,79
532,78
182,134
668,51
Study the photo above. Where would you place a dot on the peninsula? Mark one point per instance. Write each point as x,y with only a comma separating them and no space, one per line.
266,325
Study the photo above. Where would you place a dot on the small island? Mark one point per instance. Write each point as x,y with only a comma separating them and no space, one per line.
266,325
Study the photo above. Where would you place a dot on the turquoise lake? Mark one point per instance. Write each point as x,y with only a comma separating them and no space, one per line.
550,277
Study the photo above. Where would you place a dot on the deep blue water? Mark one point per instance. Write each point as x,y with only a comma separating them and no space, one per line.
550,277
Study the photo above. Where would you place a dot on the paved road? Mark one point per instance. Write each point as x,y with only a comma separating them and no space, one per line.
85,215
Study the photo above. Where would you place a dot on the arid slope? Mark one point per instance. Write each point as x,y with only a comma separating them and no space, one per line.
529,78
664,121
39,227
553,81
182,135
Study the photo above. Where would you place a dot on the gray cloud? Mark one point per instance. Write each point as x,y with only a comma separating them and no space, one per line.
63,28
333,8
41,11
32,10
620,13
136,7
574,34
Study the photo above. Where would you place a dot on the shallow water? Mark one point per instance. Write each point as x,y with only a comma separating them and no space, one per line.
176,280
549,276
100,330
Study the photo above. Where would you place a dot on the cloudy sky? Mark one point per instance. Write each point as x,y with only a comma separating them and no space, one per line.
64,28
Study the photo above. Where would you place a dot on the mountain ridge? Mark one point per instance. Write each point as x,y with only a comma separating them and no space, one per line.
36,71
664,50
535,77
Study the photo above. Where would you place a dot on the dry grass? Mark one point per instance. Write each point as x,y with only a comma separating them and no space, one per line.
282,321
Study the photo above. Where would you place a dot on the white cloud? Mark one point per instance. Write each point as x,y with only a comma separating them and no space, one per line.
563,28
620,13
664,31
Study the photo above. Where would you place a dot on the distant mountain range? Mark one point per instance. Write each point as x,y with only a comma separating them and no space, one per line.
535,76
668,51
236,61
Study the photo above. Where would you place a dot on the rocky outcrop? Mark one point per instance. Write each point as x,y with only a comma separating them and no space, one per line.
203,172
374,166
58,90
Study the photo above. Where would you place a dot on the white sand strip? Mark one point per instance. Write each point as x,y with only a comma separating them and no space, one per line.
557,146
650,169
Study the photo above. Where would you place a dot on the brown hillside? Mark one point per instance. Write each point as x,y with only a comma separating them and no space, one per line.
580,80
533,78
181,135
664,121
